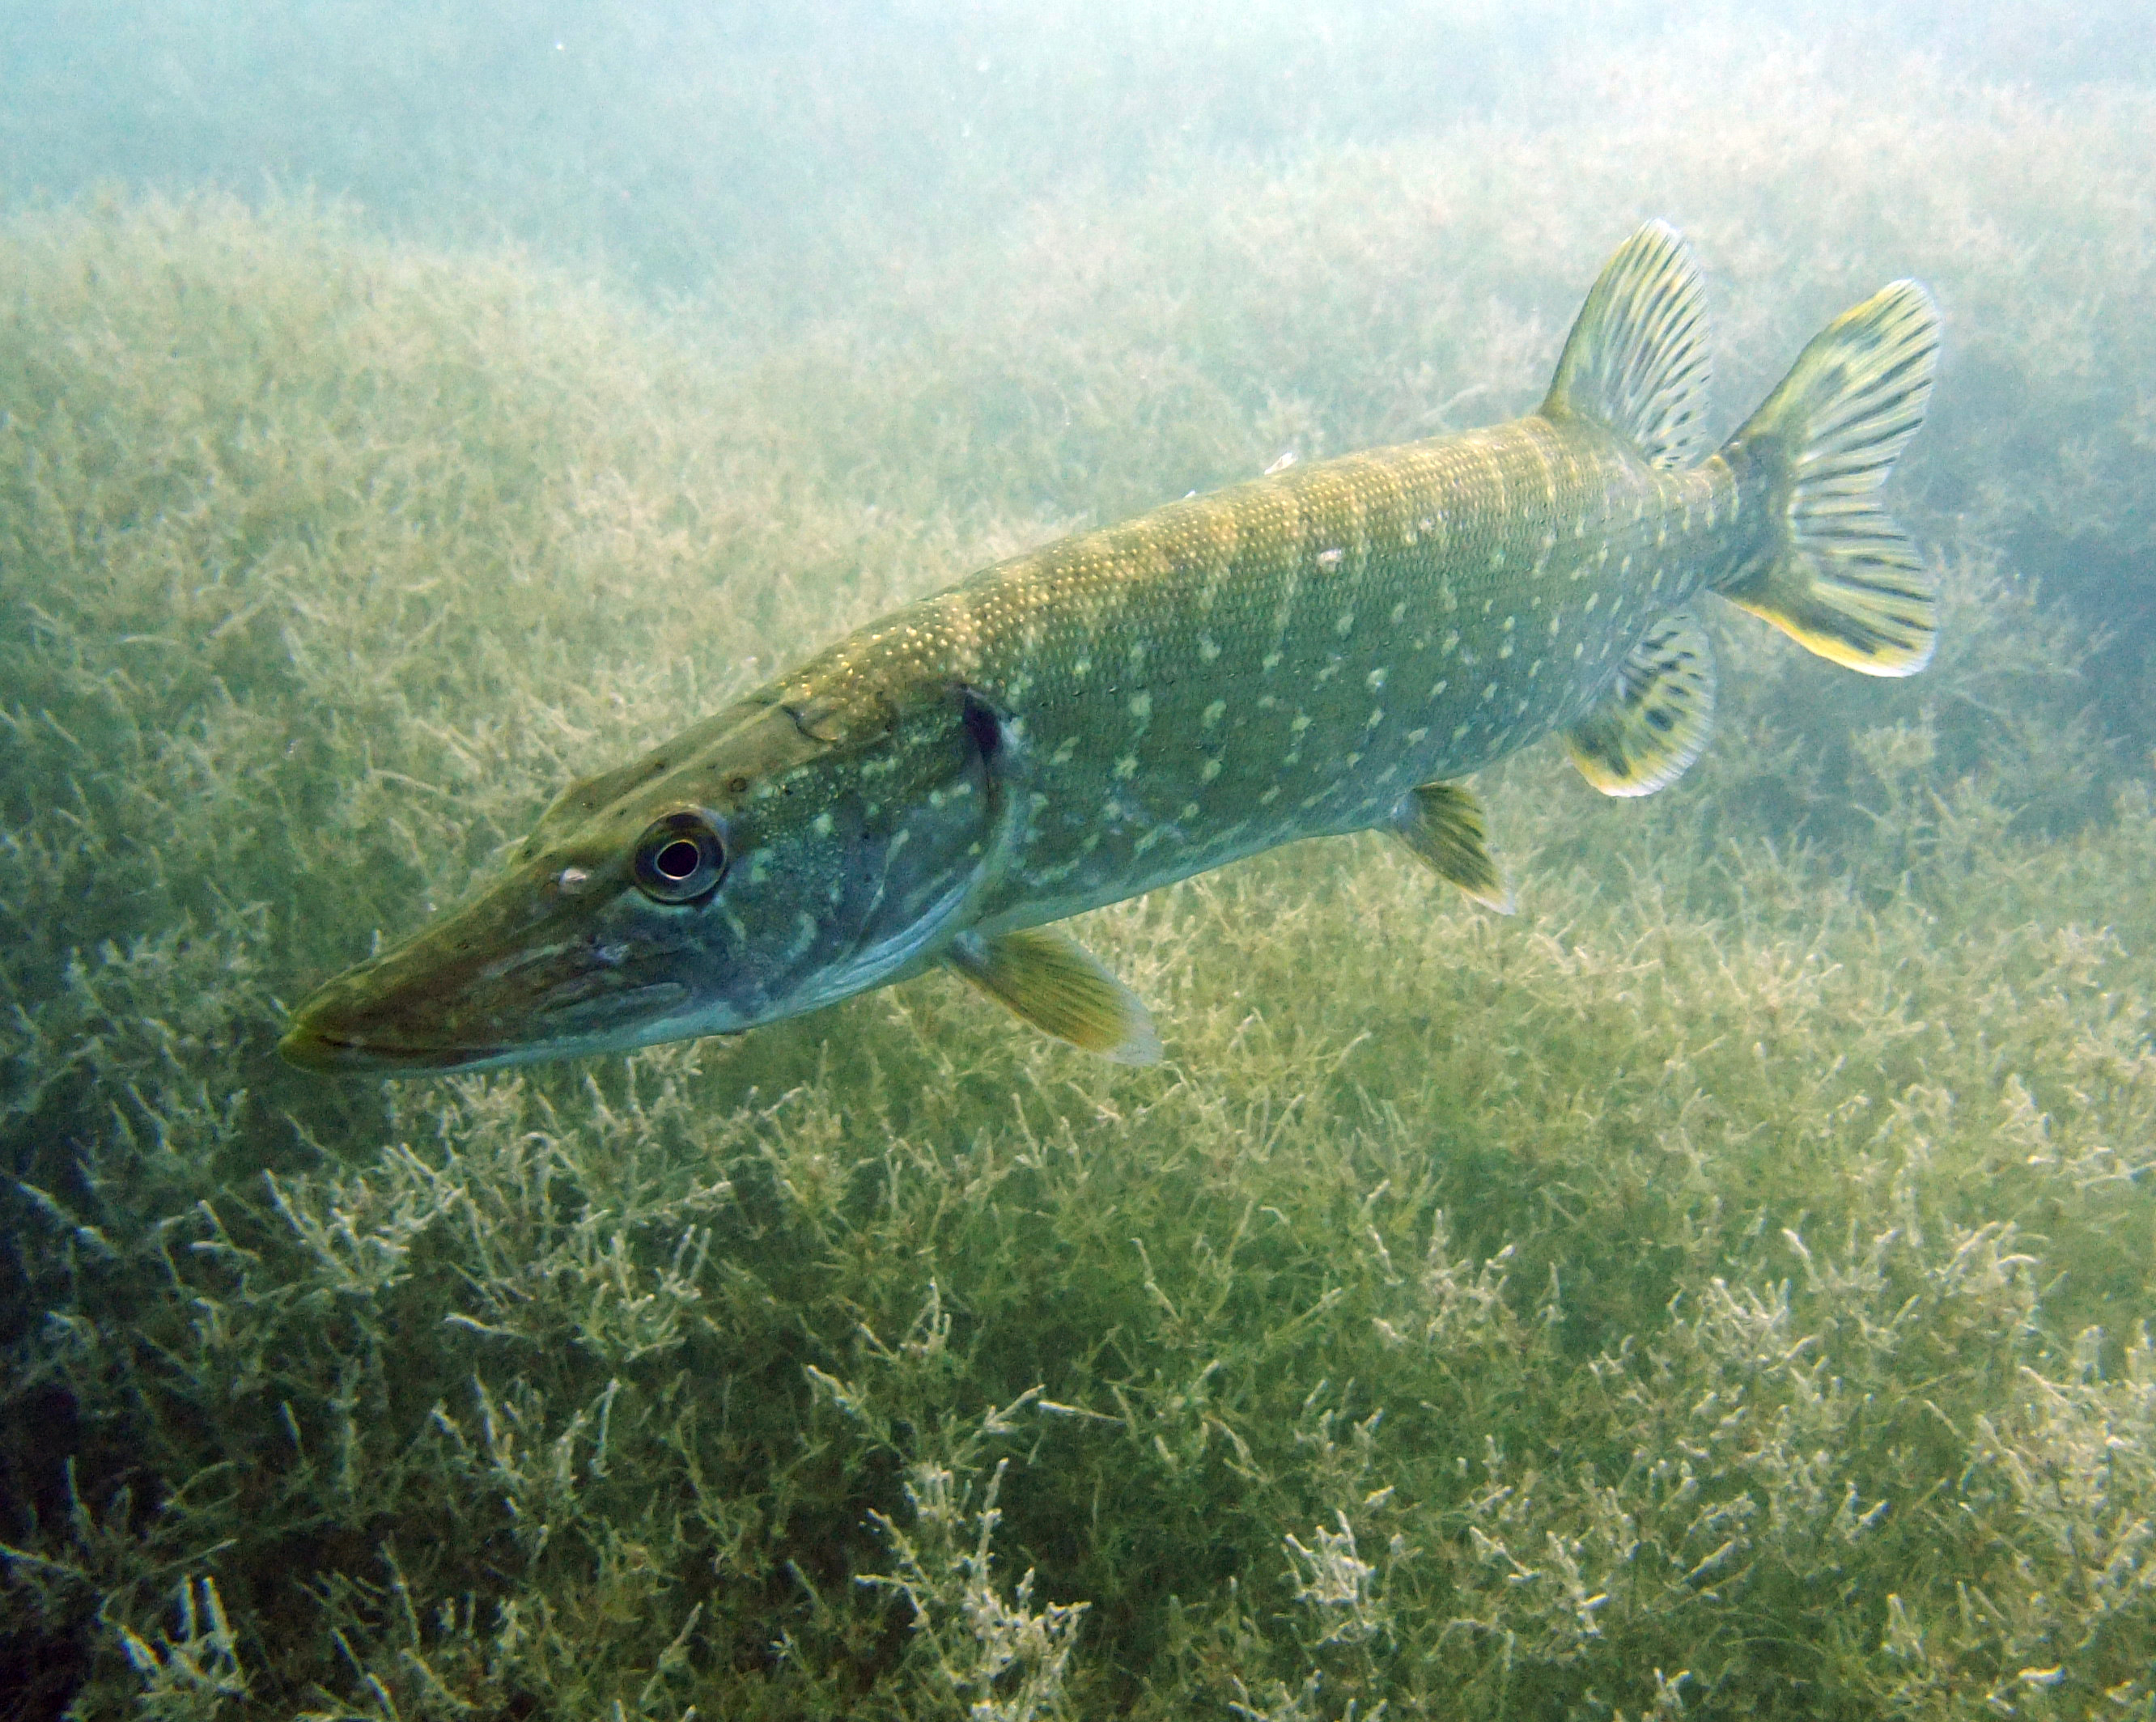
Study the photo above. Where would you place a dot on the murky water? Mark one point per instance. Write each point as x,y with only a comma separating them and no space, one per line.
1718,1286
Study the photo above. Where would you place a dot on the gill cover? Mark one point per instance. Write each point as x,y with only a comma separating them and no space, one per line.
750,869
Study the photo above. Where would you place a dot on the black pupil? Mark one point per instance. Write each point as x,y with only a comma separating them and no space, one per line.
678,859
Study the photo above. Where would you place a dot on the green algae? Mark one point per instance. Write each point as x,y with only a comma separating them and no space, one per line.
1719,1288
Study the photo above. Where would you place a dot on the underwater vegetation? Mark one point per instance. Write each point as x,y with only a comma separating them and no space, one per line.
1719,1289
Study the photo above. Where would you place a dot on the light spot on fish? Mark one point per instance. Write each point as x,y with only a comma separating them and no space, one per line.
1375,679
1415,736
1142,705
570,880
1329,559
1451,642
1269,796
1301,723
1081,667
1209,649
1212,770
1213,713
1190,811
1346,625
1377,717
1490,690
1399,614
1064,750
1127,767
1269,661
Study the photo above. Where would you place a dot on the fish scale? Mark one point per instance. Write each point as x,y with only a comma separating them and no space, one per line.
1487,621
1330,648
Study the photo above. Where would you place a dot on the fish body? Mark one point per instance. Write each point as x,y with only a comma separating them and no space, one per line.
1326,650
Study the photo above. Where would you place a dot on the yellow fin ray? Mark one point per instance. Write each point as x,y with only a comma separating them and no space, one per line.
1840,578
1655,720
1445,826
1052,982
1637,359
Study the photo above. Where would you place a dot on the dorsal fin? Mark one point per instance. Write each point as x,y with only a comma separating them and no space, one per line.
1636,359
1656,720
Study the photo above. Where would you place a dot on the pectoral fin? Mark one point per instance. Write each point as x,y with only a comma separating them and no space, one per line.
1445,826
1055,984
1655,721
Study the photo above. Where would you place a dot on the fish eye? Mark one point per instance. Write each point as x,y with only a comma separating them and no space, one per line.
680,859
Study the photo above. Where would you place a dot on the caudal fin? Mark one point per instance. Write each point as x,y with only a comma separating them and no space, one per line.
1840,577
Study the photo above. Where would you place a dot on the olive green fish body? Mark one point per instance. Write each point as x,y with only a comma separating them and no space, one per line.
1329,648
1287,659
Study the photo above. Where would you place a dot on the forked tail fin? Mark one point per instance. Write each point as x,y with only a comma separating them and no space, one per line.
1838,577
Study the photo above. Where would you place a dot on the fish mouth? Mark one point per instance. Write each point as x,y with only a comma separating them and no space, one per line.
332,1033
313,1048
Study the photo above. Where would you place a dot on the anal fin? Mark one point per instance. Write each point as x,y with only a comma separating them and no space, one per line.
1445,826
1655,720
1053,982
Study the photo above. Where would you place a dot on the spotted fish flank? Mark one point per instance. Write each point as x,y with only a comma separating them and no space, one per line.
1329,648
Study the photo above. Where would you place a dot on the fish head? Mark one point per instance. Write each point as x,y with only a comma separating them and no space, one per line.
779,858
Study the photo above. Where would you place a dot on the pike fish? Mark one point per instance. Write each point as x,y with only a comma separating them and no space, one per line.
1330,648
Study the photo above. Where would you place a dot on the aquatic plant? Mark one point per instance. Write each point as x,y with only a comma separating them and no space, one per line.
1719,1289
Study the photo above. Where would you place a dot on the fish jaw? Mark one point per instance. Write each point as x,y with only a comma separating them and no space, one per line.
835,863
523,973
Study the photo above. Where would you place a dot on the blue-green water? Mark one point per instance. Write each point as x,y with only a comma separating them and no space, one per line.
1719,1287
